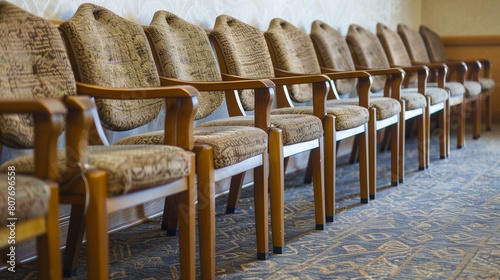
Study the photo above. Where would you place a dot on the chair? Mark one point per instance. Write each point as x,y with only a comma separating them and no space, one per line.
335,53
439,101
437,53
221,152
457,87
98,180
29,203
243,54
184,53
293,53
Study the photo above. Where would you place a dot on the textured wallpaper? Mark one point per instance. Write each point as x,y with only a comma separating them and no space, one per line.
462,17
338,13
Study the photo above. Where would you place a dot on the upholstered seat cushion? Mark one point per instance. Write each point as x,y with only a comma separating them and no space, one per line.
129,168
231,144
295,128
386,107
472,88
346,116
487,83
455,88
31,196
436,94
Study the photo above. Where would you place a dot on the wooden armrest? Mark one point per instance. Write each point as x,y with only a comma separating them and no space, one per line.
264,96
364,83
135,93
48,117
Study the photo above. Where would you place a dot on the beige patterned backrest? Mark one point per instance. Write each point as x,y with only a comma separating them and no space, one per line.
293,51
183,52
414,44
108,50
244,51
333,52
368,52
33,64
393,46
433,43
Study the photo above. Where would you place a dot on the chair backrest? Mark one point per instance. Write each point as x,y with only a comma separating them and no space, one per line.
414,44
293,51
393,46
183,51
245,53
48,75
333,53
108,50
433,43
367,51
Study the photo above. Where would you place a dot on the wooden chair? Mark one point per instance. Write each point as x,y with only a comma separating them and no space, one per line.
437,53
185,56
243,54
285,42
29,203
438,96
221,151
333,53
98,180
455,79
367,51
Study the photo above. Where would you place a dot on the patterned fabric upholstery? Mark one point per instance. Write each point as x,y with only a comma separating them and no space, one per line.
295,128
184,53
393,46
455,88
433,43
472,88
128,168
486,83
368,52
243,59
48,75
414,44
116,61
32,197
231,144
386,107
294,52
334,53
346,116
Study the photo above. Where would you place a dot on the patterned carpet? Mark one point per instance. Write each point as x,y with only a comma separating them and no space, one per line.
442,223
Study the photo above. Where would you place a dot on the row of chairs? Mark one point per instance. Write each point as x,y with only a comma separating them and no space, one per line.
129,70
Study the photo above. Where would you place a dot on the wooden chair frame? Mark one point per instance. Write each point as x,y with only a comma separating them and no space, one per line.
48,117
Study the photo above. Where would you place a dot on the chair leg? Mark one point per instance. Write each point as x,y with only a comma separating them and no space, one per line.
423,134
261,204
206,209
330,159
234,192
169,219
476,117
489,110
319,185
372,152
355,149
49,260
402,143
442,133
364,166
395,154
276,188
309,171
97,226
461,125
74,240
187,232
448,127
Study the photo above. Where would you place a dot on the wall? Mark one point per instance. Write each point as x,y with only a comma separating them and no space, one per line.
462,17
338,13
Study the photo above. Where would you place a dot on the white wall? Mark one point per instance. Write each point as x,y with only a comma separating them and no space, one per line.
338,13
